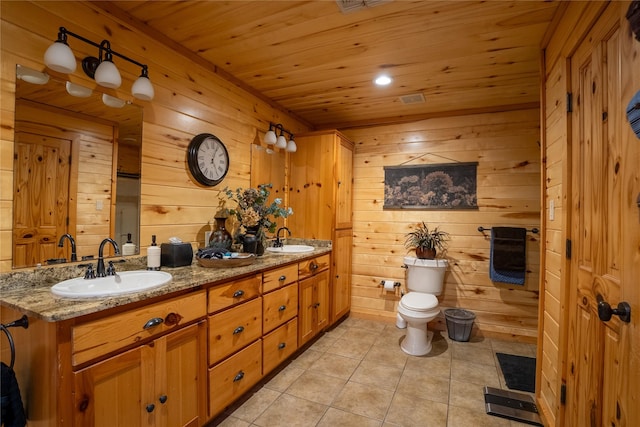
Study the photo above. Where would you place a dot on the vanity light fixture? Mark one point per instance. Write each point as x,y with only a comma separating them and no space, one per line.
280,141
60,58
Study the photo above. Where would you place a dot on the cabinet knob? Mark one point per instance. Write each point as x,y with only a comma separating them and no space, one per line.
163,398
238,294
150,407
153,322
238,377
282,278
237,330
281,346
313,266
282,308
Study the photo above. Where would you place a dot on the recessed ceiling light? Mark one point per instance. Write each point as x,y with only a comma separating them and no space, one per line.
383,80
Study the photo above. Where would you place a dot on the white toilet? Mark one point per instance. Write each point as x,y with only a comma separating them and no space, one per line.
425,280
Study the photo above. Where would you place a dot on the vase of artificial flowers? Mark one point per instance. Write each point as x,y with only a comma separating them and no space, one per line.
256,213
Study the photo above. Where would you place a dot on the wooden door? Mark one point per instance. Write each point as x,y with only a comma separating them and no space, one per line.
41,197
341,289
344,184
306,310
321,290
603,379
112,393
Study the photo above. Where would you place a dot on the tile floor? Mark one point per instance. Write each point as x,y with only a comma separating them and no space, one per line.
356,375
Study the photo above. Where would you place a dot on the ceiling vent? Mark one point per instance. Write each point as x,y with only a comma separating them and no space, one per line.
414,98
348,6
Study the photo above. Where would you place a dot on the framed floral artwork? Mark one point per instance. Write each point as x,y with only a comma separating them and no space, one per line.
434,186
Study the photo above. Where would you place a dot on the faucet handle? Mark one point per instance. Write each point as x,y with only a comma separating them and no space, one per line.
90,274
111,269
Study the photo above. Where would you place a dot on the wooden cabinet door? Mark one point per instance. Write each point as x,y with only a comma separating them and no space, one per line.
113,393
603,372
306,310
180,392
341,285
321,290
344,184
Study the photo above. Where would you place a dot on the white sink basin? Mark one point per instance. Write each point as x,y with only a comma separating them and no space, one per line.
122,283
291,249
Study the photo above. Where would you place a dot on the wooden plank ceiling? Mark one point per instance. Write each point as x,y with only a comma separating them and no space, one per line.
319,63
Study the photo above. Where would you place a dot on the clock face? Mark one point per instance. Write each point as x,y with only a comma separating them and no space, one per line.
208,159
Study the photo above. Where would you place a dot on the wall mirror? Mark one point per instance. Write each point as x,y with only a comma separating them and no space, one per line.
269,166
77,162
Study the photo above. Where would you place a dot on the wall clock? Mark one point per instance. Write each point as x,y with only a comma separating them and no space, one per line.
208,159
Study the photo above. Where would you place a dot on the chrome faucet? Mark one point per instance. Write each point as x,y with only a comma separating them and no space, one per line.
278,242
100,270
74,257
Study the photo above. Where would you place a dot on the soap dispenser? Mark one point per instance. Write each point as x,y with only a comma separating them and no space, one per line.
153,255
128,248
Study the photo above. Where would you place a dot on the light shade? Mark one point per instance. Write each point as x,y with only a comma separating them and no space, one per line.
112,101
270,137
281,142
107,75
291,145
78,91
31,76
383,80
143,89
59,57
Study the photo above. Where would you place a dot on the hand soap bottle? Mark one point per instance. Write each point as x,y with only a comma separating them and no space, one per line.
128,248
153,255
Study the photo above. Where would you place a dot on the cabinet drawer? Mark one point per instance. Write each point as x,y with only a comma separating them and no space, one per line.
229,379
279,277
279,345
314,265
232,293
279,306
99,337
232,329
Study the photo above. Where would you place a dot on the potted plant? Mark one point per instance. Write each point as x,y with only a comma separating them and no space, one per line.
426,242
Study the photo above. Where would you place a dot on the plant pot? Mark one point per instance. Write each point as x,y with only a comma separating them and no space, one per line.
424,253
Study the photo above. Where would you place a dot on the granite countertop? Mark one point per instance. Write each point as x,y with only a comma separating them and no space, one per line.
29,291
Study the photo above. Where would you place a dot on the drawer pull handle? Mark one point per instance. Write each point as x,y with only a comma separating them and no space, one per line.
238,377
238,294
282,278
153,322
237,330
282,308
313,266
163,398
281,346
150,407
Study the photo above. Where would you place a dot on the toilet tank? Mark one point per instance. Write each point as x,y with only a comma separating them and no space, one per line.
425,275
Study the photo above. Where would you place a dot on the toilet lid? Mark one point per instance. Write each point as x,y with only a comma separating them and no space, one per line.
419,302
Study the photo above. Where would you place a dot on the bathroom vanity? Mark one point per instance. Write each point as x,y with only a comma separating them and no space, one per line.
177,355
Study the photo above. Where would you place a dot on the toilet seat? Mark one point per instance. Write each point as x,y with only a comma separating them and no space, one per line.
420,302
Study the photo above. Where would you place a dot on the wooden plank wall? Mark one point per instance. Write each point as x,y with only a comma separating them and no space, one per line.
577,19
190,99
506,147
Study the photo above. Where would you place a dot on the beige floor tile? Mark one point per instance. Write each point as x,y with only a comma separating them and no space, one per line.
256,405
335,366
517,348
291,411
463,417
364,400
369,325
316,387
233,422
422,384
390,355
284,378
476,373
439,366
377,375
357,334
306,359
335,417
390,335
466,395
473,353
411,411
324,342
349,348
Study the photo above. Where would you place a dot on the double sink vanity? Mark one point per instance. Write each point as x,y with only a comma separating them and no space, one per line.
174,354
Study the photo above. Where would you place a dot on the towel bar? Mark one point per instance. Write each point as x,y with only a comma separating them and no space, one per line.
21,322
482,229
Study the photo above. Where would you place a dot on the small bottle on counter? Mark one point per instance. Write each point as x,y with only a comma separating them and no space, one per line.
153,255
128,248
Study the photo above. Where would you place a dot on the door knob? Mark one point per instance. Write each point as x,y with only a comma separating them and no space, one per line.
623,310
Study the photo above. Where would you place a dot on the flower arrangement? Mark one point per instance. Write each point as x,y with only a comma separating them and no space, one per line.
254,211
